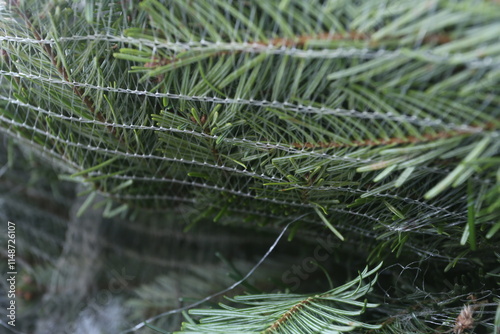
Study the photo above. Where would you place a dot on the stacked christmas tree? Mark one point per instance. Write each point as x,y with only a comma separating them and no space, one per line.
369,129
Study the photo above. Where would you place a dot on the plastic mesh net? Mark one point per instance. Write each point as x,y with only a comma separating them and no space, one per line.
377,119
266,106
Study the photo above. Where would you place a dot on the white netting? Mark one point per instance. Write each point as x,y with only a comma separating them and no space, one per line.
377,119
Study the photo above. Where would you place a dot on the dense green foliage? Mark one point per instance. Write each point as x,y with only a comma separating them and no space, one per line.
375,121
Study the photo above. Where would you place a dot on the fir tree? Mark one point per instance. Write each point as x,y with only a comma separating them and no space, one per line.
375,122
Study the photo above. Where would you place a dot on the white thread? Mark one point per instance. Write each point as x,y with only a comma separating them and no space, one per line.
142,324
297,108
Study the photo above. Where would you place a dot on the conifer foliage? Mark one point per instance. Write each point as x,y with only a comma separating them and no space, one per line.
375,121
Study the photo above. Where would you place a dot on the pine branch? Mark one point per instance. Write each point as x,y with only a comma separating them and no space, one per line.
377,121
329,312
59,63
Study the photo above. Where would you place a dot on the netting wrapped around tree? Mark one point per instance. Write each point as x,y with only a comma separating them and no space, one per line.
374,121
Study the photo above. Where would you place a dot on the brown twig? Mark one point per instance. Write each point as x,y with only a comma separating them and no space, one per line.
288,314
393,141
300,41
